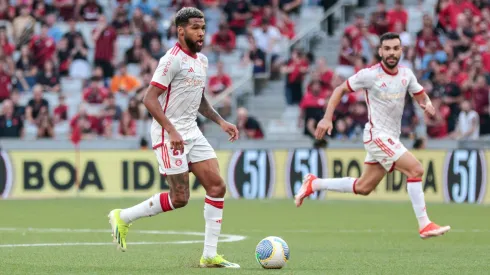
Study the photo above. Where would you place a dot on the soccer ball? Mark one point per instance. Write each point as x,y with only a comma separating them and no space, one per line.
272,253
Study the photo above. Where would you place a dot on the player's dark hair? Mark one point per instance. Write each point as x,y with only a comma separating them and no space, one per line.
185,14
389,36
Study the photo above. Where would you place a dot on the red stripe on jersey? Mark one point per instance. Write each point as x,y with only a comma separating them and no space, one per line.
175,51
165,110
158,85
348,86
167,157
419,92
383,147
370,120
217,204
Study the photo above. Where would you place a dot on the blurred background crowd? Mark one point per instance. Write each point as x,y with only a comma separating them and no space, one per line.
84,64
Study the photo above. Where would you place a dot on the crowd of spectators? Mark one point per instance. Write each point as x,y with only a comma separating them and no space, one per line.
44,43
449,53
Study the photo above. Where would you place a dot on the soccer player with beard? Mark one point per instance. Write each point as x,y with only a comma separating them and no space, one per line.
385,86
174,97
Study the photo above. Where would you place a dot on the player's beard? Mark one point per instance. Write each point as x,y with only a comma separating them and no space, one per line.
193,46
390,65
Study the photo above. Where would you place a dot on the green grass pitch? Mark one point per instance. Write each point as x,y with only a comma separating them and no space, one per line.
325,237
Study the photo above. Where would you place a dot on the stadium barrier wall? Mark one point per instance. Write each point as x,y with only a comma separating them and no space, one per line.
458,176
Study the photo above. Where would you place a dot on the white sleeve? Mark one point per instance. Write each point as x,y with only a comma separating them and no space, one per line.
361,80
168,67
414,87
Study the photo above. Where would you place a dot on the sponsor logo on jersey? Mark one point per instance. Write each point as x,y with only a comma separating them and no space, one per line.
167,65
193,82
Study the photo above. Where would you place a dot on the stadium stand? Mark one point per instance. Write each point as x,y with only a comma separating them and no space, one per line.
84,65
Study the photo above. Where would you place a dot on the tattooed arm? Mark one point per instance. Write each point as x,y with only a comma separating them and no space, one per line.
209,112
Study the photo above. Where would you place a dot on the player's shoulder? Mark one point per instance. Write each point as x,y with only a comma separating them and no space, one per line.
174,53
369,72
203,58
404,70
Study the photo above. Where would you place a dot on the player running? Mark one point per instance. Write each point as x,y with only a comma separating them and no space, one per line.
385,86
174,98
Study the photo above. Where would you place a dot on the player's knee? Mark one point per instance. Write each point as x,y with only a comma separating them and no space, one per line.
362,188
217,189
416,172
179,200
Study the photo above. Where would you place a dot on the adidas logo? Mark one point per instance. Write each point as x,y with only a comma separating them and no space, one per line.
219,221
191,70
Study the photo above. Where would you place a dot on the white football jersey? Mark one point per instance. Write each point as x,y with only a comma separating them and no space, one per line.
385,97
183,77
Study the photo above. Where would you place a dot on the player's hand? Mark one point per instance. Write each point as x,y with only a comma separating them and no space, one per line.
324,126
428,108
231,130
176,141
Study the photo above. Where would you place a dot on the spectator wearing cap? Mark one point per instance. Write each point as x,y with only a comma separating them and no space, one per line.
105,37
91,11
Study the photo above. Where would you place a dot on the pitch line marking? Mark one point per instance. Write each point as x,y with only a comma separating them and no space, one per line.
227,238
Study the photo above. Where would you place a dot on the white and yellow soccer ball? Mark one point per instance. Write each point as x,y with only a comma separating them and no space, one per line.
272,253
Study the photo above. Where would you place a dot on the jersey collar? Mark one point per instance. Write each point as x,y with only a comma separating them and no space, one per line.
193,55
386,70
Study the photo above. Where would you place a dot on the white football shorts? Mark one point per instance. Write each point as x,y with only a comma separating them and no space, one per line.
172,162
385,150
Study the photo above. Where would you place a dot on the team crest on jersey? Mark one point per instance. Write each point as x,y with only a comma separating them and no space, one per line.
178,162
404,82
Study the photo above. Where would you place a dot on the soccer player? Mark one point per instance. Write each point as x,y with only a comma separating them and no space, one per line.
385,86
174,97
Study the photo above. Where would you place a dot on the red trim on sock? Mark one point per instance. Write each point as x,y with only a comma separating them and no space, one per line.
164,202
354,187
217,204
414,180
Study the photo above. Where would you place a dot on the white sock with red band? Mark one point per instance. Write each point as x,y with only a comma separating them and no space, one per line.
344,185
416,193
155,204
213,215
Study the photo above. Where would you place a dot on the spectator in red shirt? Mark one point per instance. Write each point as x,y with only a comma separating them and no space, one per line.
379,22
448,17
224,41
353,32
437,125
238,12
397,14
95,93
105,37
217,84
61,111
8,48
5,84
42,46
296,68
88,124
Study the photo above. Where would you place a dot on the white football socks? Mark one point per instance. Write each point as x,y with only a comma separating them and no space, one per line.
416,193
156,204
344,185
213,215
